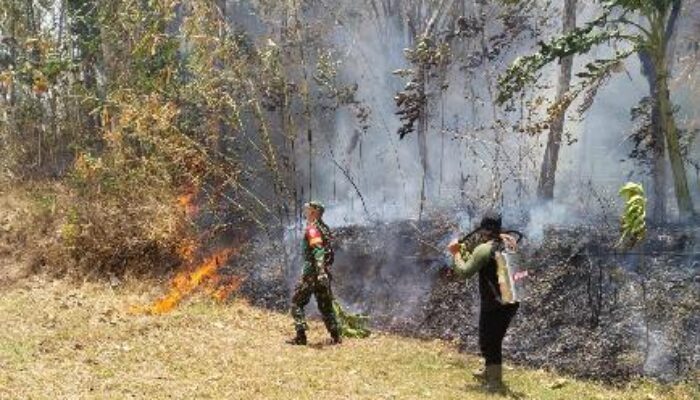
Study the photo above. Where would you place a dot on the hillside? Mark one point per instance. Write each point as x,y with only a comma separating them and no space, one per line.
63,341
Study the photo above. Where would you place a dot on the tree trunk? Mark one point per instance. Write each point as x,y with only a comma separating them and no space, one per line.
658,161
658,148
545,187
661,33
423,152
421,130
668,123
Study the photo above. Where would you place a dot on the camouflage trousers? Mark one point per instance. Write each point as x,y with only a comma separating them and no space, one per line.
308,286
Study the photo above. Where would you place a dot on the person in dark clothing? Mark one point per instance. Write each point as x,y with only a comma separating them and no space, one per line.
493,325
497,305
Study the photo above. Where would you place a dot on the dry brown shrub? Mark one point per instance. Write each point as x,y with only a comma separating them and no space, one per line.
120,218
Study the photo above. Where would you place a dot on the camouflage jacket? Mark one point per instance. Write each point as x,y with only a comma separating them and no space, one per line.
315,248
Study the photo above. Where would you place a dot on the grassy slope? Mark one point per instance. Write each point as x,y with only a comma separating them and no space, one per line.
59,341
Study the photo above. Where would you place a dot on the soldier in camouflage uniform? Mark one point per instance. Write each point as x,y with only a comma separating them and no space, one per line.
318,256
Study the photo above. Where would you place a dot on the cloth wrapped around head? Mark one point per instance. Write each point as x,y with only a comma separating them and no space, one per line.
491,225
491,221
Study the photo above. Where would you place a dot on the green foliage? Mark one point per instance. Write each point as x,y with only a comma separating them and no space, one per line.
581,40
70,230
85,25
633,25
633,219
326,71
45,203
594,76
428,53
646,7
603,29
273,82
351,325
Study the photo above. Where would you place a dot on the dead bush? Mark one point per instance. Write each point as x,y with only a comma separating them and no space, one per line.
114,219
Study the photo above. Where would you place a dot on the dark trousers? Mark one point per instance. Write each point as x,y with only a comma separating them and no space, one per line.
493,324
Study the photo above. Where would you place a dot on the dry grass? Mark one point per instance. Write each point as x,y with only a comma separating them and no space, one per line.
59,341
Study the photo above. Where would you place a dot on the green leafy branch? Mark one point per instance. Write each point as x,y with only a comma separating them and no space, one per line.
579,41
425,56
351,325
633,219
594,76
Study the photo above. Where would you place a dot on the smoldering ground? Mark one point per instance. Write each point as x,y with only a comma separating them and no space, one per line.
590,314
592,311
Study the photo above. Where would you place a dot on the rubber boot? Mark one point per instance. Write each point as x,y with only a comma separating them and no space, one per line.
494,378
299,339
336,338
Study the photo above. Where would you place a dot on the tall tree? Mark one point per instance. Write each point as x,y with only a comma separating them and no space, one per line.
545,186
429,51
617,24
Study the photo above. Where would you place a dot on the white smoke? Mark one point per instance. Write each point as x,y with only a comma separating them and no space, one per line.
548,215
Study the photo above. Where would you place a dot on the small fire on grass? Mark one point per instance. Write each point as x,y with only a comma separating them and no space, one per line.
204,275
186,282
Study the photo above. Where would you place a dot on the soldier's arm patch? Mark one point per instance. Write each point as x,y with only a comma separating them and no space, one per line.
314,237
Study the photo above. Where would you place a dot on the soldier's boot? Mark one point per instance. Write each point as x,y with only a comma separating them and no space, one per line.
494,378
333,328
336,338
299,339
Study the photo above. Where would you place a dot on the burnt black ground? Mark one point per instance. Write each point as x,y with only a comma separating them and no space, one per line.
593,311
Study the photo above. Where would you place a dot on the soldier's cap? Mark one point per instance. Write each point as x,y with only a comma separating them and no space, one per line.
491,221
316,206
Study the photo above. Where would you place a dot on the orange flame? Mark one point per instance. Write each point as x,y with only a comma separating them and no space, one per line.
186,282
204,274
